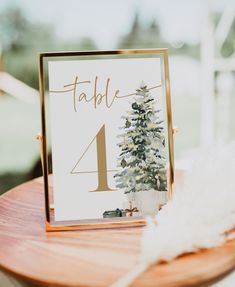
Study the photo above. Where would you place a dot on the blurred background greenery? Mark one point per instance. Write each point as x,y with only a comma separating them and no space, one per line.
28,27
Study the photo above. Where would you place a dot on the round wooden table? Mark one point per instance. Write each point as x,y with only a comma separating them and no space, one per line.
89,258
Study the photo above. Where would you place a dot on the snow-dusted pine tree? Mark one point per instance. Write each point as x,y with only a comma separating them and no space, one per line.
142,160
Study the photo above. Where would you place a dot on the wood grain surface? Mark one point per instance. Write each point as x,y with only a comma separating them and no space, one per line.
89,258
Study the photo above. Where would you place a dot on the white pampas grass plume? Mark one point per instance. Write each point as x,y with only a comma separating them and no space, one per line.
201,212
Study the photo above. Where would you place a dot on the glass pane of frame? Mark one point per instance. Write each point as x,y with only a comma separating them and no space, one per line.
106,137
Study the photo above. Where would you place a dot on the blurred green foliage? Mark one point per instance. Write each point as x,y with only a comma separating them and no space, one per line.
228,47
22,40
142,36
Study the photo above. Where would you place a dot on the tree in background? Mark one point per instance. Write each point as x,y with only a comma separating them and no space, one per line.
21,40
150,36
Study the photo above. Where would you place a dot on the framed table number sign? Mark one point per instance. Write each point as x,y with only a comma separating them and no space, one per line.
107,136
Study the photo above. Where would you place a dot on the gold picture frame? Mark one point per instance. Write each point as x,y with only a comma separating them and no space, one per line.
51,224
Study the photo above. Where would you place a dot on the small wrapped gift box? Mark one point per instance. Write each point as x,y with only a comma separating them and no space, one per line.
114,213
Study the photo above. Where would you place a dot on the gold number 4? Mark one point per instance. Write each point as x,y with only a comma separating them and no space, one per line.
101,161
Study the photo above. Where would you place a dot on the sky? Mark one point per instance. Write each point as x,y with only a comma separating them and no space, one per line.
106,20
